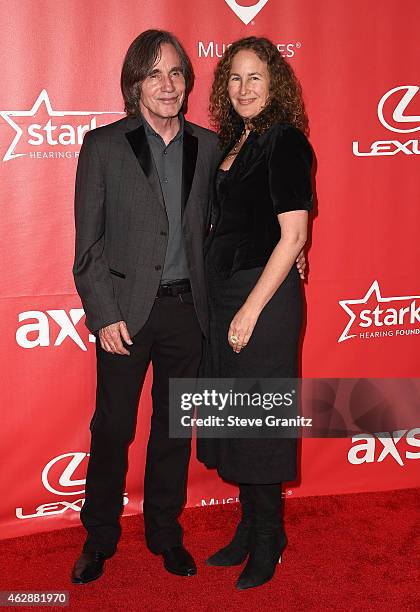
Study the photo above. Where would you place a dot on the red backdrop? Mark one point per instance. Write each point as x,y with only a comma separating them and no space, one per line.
358,63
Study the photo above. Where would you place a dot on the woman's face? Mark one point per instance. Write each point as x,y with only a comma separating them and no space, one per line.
249,84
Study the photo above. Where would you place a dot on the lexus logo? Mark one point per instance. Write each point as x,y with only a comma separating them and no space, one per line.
246,13
398,116
57,475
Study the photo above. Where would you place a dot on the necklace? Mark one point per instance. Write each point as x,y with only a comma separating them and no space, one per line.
237,146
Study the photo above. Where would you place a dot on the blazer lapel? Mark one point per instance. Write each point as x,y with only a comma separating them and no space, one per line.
138,141
190,151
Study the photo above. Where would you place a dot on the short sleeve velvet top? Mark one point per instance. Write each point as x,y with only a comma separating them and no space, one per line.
271,175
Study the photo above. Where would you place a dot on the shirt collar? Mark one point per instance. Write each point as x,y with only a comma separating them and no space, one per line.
151,132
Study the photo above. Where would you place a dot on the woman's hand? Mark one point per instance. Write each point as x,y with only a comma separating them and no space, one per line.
241,328
301,264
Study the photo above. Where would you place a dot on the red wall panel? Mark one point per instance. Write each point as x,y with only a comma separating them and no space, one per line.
60,70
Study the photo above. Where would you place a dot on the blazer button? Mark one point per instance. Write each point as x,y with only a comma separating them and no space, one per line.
158,267
163,233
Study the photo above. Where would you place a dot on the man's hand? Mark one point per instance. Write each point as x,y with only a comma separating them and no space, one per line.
111,338
301,264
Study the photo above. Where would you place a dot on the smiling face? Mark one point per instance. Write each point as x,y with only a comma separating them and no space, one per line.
163,90
249,84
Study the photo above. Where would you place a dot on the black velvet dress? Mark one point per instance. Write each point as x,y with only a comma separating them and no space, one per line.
270,175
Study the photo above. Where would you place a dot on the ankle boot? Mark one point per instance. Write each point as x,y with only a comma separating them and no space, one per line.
269,539
238,549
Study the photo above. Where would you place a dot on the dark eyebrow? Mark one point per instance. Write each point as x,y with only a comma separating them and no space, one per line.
157,71
250,74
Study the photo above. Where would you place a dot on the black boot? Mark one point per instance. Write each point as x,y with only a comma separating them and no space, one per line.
269,541
237,550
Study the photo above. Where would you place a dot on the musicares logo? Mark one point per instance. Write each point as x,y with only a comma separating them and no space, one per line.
399,120
383,320
246,13
53,138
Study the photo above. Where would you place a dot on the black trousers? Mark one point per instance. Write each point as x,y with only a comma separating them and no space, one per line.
172,340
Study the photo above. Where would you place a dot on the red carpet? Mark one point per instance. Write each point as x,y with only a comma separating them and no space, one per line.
349,552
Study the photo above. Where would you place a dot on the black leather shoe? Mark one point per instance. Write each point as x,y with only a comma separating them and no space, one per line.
88,567
177,560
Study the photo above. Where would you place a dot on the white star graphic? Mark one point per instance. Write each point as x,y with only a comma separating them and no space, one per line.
41,99
374,288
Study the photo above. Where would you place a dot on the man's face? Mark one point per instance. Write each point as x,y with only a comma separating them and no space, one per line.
163,90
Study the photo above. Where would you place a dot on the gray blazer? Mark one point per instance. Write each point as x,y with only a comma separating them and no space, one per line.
122,227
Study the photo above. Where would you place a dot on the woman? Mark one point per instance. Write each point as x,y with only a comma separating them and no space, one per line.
262,197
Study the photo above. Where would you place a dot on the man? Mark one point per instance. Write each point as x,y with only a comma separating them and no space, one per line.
142,192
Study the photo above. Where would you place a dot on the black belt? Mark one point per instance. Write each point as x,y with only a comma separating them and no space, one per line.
174,288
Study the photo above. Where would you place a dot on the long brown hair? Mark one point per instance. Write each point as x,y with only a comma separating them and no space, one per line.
285,102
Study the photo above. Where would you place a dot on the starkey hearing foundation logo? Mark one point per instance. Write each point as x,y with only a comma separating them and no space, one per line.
397,113
246,13
374,316
44,133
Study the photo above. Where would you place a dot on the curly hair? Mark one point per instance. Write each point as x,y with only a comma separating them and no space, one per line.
285,102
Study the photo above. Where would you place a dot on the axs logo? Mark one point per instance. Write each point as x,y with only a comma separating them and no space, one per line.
365,447
38,329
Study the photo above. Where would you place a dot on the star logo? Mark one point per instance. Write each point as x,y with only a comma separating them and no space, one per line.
246,13
374,290
49,128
